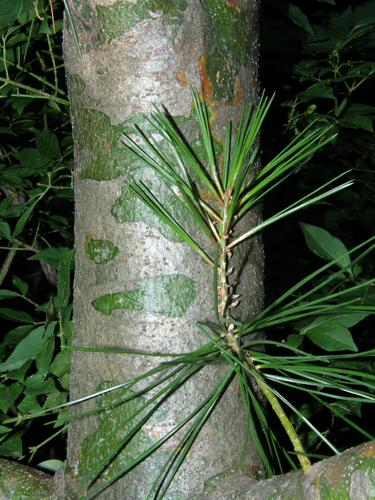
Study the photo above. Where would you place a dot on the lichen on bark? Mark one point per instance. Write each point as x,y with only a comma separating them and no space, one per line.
100,251
170,295
115,19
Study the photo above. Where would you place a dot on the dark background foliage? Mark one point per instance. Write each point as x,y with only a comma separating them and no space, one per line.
319,59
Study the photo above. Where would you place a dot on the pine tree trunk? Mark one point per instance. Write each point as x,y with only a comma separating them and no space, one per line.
134,55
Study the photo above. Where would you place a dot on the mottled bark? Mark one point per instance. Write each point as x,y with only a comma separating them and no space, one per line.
136,285
20,481
349,476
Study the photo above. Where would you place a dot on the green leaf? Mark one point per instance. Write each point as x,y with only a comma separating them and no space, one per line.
332,337
15,315
26,350
14,336
19,104
33,162
19,374
44,27
54,399
61,364
8,395
326,246
349,407
21,285
36,384
23,220
8,294
43,359
51,256
47,144
5,230
356,120
63,287
9,11
29,404
294,340
65,381
317,91
345,319
299,18
52,465
11,447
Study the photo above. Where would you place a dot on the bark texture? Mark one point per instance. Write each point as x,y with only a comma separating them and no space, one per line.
349,476
136,285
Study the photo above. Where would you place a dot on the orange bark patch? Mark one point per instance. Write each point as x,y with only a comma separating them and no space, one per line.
239,95
233,4
205,79
335,474
182,78
369,450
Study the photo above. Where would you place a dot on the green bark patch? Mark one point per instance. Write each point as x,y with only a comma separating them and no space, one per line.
116,19
76,85
129,208
101,152
100,251
19,481
169,294
118,413
230,41
222,76
82,7
337,481
175,495
231,27
102,157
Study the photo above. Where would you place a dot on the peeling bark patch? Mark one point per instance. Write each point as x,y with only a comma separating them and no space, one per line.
116,19
169,294
99,150
117,416
182,78
205,77
100,251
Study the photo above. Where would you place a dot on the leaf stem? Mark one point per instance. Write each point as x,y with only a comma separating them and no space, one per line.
286,423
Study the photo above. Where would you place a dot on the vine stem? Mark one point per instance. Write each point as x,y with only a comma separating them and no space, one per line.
286,423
